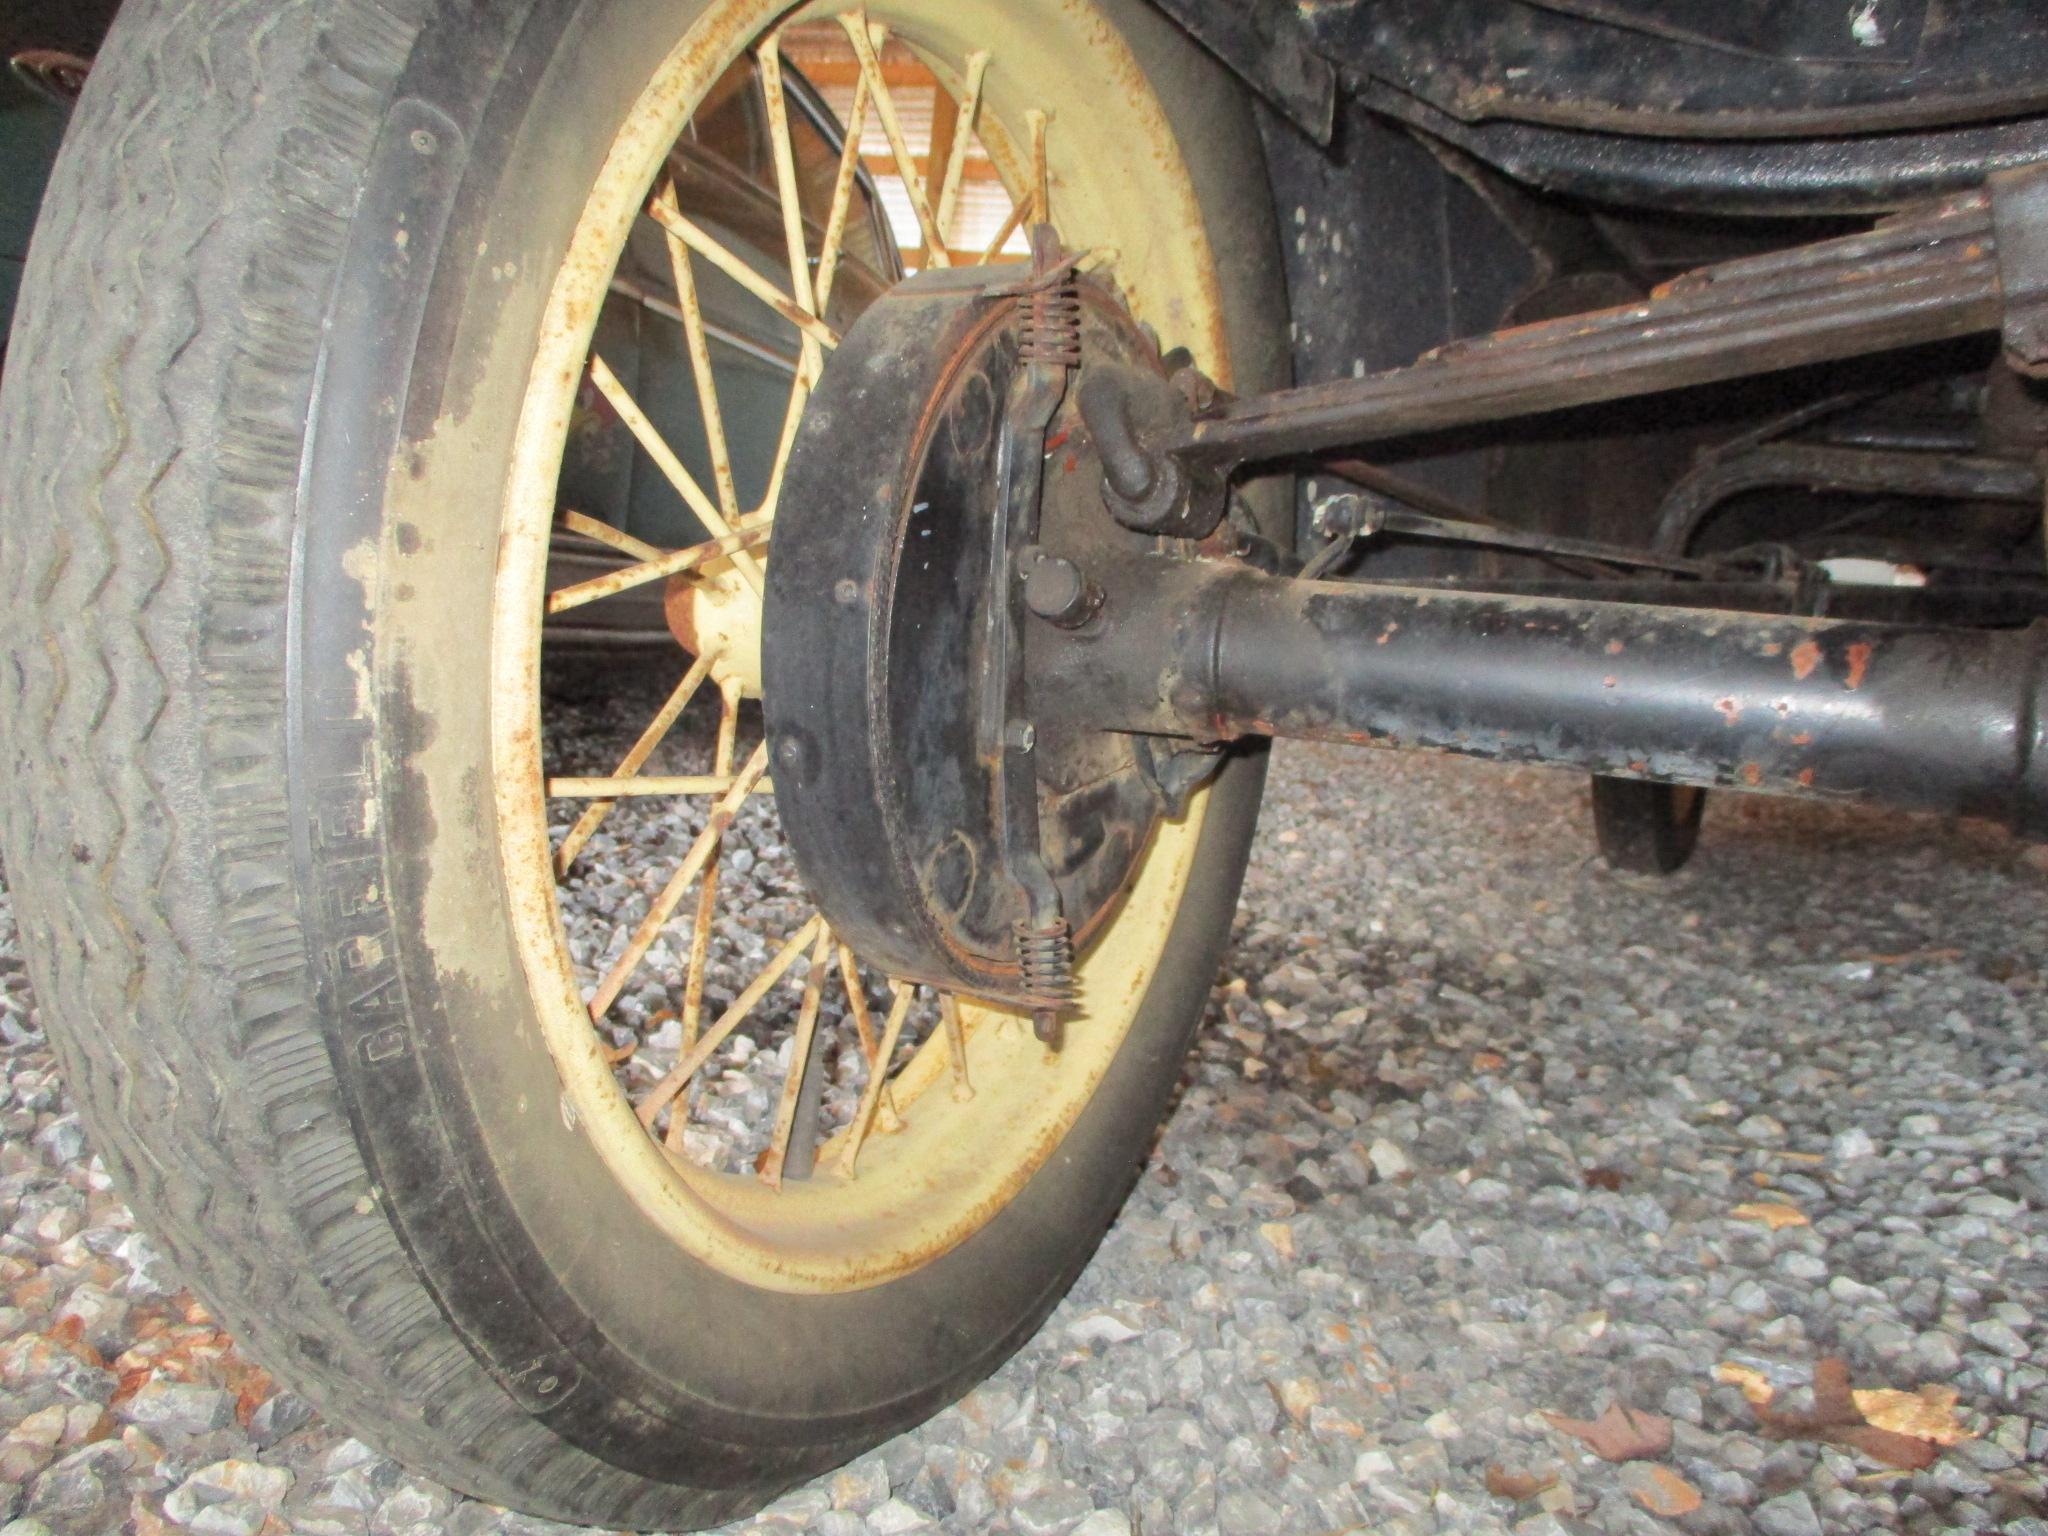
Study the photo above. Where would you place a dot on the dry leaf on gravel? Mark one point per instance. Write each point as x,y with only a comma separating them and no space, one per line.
1660,1490
1754,1385
1513,1483
1774,1214
1605,1178
1619,1434
1904,1452
1929,1414
1901,1429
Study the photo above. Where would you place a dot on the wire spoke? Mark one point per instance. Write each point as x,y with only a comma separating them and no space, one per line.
878,1078
693,1059
699,343
956,1045
800,1048
842,196
864,1027
693,864
707,906
781,362
799,397
722,257
607,535
956,156
790,197
629,766
1041,174
788,190
677,562
857,1002
665,460
863,40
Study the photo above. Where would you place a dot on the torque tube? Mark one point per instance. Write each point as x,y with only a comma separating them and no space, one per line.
1944,720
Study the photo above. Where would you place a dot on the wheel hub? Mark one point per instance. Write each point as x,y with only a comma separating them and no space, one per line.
715,613
896,616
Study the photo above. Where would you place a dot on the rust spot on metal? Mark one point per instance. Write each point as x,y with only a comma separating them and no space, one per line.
1615,647
1803,739
1639,766
1859,664
1772,648
1805,657
1728,709
1752,774
1609,681
1387,634
1806,778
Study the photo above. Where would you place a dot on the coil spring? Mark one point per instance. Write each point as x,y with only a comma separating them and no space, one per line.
1047,957
1050,326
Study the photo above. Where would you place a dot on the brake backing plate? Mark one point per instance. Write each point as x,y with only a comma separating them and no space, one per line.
883,638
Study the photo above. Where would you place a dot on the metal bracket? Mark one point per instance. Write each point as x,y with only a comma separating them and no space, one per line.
1049,348
1266,44
1146,490
2019,220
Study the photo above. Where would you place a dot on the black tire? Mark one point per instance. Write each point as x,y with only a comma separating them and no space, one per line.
247,449
1646,828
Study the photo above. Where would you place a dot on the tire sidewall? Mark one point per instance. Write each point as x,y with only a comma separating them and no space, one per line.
585,1312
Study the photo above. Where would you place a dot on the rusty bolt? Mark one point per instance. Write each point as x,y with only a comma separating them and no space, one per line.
1349,515
1057,590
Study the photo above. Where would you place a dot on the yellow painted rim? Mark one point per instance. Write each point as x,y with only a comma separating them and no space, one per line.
1118,184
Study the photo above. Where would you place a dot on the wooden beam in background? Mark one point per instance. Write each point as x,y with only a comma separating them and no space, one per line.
881,166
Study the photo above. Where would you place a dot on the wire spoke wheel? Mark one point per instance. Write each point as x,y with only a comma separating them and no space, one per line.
453,1006
900,1117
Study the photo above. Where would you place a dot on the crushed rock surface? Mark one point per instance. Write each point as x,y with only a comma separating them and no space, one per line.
1462,1145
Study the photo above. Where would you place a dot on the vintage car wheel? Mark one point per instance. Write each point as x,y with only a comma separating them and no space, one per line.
303,336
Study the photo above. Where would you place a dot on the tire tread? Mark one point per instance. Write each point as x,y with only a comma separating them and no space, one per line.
173,307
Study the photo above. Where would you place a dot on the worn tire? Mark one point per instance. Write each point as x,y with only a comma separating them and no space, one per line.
278,1069
1646,828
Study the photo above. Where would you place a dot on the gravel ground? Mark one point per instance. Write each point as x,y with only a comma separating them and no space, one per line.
1478,1132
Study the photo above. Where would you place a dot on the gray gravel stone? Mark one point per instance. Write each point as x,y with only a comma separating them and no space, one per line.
1504,1104
1789,1514
179,1407
238,1517
893,1517
1052,1512
275,1417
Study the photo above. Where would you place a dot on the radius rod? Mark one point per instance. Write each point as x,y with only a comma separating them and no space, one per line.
1928,719
1970,264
